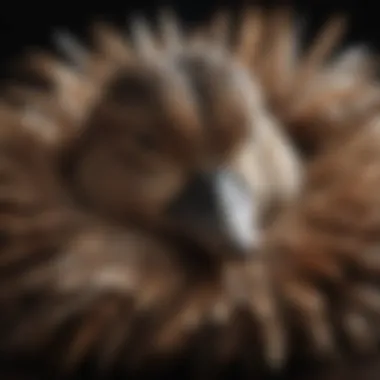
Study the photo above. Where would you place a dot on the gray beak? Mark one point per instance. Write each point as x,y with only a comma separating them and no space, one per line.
218,208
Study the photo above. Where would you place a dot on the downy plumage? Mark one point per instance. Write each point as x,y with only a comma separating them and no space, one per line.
195,197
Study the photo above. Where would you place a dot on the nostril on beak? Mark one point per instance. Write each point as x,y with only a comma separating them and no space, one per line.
218,207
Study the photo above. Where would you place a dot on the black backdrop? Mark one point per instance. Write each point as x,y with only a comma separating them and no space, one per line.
24,23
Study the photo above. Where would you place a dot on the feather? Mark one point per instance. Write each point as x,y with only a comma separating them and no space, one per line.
70,48
126,239
171,32
313,95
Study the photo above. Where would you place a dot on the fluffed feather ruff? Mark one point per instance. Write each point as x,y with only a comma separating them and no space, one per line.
81,296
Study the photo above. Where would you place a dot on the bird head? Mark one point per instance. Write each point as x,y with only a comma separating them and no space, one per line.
177,138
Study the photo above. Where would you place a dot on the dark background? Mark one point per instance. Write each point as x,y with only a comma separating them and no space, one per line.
24,23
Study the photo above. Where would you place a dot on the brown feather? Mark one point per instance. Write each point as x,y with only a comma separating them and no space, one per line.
91,280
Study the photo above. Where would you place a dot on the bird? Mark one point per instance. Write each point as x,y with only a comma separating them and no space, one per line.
197,204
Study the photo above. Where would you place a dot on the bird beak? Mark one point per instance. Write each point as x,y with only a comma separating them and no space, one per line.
218,207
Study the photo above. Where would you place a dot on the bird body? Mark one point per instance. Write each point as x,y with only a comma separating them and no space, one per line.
184,204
